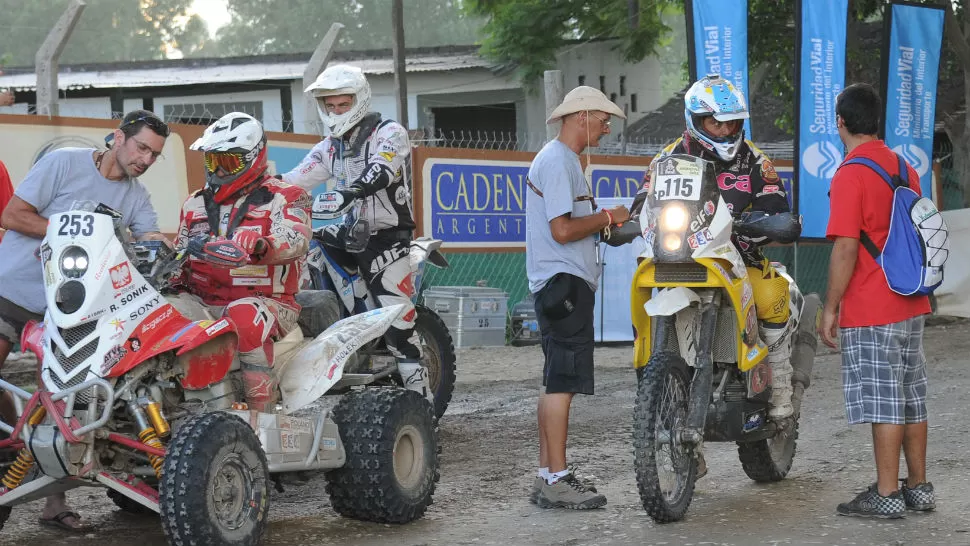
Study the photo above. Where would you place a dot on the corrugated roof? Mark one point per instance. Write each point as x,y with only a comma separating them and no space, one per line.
254,71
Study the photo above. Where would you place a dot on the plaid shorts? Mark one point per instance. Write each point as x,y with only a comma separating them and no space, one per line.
884,373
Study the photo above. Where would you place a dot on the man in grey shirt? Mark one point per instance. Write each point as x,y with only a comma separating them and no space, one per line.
53,184
560,249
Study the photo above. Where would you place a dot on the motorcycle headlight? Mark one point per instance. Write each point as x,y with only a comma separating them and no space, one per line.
672,242
74,262
673,217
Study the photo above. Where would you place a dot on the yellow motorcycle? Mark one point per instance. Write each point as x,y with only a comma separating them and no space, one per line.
701,364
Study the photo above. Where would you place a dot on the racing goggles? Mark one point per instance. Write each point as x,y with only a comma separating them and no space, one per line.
229,162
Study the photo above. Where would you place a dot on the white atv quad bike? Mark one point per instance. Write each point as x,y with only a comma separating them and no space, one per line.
137,398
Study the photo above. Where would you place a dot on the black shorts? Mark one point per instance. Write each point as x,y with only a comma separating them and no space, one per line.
13,318
567,341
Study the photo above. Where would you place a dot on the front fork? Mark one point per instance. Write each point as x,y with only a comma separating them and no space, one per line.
702,385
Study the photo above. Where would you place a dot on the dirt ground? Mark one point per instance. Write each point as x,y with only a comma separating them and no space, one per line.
489,459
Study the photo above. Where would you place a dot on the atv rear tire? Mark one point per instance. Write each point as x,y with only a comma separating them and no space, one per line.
128,505
391,440
214,487
438,356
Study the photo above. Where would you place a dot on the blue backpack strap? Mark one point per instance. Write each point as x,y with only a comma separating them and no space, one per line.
864,238
874,166
903,170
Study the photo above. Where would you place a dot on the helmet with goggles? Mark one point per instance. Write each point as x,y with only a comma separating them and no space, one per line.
341,79
714,96
234,149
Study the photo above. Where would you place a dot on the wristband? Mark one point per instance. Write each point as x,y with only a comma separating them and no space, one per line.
609,217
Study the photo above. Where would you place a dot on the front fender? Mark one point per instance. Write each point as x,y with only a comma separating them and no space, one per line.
705,273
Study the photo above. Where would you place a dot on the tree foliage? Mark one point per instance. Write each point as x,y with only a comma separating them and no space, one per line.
108,30
526,34
290,26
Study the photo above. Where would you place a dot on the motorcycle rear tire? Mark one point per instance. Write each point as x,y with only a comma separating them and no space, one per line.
651,393
436,339
769,460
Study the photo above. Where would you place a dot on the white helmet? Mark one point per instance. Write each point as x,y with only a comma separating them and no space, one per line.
341,79
234,151
717,97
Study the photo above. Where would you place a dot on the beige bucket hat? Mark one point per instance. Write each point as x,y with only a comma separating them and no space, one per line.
585,98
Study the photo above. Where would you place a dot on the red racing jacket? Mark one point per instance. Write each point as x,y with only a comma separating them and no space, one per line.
278,211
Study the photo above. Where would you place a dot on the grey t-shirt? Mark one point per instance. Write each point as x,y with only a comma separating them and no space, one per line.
53,184
557,173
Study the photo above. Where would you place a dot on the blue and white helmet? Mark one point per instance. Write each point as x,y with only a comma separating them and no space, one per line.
717,97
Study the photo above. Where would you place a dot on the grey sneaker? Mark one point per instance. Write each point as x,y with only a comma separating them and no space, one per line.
570,493
920,498
536,487
870,504
539,481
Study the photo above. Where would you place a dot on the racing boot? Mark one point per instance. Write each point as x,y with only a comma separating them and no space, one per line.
778,339
414,376
262,387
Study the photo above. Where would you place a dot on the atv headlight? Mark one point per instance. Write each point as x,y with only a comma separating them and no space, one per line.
74,262
673,217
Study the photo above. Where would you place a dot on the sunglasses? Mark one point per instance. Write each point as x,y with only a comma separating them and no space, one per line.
605,122
230,162
156,124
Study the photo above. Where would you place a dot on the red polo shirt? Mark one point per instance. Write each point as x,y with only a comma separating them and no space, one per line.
862,201
6,190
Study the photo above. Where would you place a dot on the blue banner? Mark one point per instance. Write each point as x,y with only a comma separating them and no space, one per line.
720,33
821,72
914,59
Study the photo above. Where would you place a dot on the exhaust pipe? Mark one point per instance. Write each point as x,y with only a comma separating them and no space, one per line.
804,346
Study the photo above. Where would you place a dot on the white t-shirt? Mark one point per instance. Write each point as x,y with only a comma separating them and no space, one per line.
558,174
53,184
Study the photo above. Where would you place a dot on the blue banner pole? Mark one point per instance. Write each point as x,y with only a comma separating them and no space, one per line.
820,77
911,69
720,43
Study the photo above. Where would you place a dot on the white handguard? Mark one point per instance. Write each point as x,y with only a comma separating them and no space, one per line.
332,204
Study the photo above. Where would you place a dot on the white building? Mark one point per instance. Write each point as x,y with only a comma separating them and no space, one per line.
451,90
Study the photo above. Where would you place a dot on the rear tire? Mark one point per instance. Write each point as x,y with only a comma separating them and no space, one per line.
660,410
391,440
129,506
214,487
769,460
438,356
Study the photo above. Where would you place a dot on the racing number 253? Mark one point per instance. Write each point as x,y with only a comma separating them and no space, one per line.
76,224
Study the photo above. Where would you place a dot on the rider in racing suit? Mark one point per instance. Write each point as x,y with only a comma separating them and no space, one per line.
715,113
365,156
270,221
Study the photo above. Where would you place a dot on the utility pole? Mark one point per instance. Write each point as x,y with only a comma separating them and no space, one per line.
319,60
48,55
400,74
553,84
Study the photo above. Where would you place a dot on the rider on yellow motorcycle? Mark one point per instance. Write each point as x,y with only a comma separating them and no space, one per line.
715,112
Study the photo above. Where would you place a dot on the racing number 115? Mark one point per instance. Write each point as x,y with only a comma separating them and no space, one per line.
76,224
675,188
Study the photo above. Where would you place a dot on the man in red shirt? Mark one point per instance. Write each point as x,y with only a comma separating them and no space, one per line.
6,191
883,366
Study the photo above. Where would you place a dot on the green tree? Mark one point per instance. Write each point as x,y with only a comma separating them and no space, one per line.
108,30
295,26
527,34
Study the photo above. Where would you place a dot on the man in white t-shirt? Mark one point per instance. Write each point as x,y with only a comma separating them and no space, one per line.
560,248
53,184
